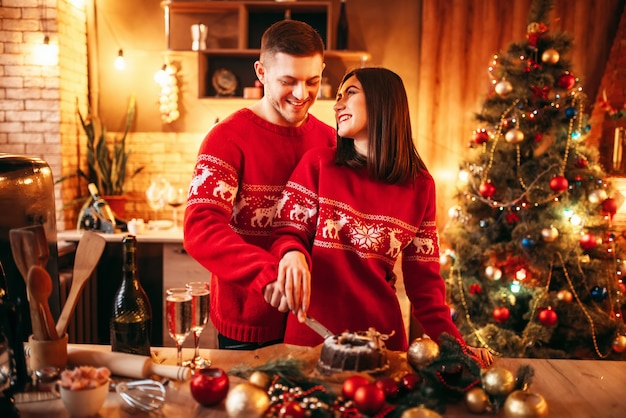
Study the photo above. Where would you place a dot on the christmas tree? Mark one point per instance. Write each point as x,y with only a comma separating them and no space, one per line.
534,263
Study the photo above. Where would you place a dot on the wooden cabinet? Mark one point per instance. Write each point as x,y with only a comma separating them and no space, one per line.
233,37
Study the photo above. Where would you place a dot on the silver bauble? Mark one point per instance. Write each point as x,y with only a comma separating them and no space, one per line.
246,401
422,352
503,88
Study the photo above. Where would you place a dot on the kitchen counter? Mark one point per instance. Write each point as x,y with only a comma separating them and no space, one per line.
174,236
571,388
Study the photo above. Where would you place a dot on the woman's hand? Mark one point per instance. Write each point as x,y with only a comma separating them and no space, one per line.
482,354
294,281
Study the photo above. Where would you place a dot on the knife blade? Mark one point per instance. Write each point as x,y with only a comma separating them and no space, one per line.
319,328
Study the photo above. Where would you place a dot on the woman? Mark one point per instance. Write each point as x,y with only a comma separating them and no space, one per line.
347,215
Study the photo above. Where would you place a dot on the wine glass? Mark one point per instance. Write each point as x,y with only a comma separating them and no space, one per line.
155,194
178,315
200,303
175,197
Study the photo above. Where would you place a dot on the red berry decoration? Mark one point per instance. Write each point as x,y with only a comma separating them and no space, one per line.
351,384
389,386
588,241
559,184
501,314
487,190
409,382
480,137
369,399
292,409
548,317
567,81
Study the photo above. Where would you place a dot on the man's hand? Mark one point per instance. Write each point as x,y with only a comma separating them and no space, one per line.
482,354
275,297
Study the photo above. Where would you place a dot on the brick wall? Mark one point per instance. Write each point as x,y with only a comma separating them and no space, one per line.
37,100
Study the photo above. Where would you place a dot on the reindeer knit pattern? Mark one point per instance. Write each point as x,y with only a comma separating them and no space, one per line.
355,228
241,170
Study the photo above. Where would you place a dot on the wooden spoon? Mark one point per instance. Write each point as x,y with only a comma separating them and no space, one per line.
22,243
40,287
88,254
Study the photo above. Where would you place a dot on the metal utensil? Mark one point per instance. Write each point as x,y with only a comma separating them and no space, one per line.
146,395
88,254
317,327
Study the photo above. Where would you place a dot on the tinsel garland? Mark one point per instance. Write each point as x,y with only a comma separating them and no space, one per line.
445,380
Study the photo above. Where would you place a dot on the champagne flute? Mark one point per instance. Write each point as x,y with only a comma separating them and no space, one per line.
175,198
178,315
155,195
200,317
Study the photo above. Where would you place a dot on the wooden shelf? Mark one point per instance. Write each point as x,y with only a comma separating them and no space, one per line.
234,30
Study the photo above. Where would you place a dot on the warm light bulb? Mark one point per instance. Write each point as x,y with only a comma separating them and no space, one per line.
575,220
515,287
520,274
160,77
46,53
120,62
464,176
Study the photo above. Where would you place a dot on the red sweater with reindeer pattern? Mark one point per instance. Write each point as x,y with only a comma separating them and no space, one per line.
353,229
241,169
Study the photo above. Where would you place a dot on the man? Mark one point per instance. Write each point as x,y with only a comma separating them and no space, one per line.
241,170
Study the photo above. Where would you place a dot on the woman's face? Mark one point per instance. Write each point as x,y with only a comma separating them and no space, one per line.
351,113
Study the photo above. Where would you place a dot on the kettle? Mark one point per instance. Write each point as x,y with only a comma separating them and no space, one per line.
26,199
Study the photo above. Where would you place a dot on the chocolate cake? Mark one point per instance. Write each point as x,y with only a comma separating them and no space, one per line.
363,351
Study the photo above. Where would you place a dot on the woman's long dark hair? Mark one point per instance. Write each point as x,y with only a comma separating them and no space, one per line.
393,157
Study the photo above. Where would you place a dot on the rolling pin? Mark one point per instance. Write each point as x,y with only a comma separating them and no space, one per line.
126,365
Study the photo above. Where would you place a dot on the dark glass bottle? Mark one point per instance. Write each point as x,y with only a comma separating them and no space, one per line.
342,27
131,321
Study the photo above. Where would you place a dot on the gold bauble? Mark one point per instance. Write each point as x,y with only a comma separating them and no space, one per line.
525,404
619,345
260,379
550,56
477,400
422,352
498,381
564,295
419,412
503,88
550,234
514,136
246,401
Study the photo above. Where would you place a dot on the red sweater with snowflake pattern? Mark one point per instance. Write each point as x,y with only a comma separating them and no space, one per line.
354,228
242,166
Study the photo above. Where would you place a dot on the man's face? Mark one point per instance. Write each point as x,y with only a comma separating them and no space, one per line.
290,86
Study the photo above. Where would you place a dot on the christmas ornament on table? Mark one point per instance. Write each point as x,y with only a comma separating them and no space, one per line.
535,196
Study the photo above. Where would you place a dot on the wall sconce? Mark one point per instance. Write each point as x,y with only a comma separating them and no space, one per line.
120,62
46,53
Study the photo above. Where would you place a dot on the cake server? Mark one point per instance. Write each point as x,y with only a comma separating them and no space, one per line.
317,327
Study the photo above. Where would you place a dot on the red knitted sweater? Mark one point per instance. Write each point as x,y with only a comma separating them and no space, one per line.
241,169
355,228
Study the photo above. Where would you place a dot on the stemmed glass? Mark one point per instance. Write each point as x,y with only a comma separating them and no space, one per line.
155,194
200,303
178,315
175,197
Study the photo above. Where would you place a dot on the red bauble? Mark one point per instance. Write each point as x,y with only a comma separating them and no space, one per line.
292,410
588,241
548,317
409,381
567,81
501,314
389,386
209,386
351,384
481,136
487,190
609,206
369,399
559,184
581,162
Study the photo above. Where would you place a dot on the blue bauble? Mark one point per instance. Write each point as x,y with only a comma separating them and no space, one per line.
599,293
571,112
528,242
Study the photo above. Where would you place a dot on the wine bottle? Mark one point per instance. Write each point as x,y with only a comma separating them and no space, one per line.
342,27
131,321
100,205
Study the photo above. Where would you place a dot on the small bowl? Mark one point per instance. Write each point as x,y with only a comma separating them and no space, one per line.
82,402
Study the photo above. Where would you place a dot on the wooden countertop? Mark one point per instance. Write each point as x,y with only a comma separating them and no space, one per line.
572,388
171,236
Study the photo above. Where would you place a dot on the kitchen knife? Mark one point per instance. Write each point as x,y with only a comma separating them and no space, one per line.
319,328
